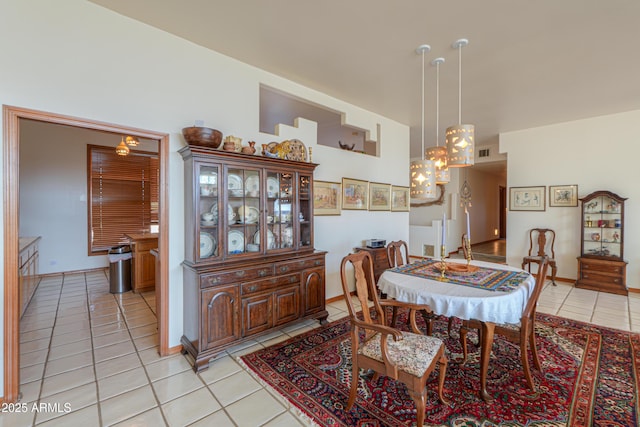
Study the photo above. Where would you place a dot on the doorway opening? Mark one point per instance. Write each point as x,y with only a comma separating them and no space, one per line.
12,117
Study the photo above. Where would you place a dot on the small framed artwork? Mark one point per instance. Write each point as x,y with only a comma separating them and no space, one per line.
400,199
326,198
563,195
355,194
527,198
379,196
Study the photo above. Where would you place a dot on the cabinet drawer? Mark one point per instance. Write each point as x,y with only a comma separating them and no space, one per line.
602,268
601,278
268,284
236,276
299,265
380,256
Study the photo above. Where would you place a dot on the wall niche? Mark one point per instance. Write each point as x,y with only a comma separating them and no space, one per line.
278,107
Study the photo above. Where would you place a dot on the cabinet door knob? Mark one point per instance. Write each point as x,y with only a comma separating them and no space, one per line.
263,273
240,273
284,269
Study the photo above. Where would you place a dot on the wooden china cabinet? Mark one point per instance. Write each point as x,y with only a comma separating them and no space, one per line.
250,264
601,264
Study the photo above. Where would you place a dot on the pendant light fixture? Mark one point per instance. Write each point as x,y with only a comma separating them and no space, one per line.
422,172
132,141
460,138
122,149
439,154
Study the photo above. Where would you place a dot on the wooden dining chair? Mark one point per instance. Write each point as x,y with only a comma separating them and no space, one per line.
522,333
408,357
395,255
396,258
543,238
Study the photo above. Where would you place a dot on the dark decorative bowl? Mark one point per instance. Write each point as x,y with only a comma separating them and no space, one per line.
206,137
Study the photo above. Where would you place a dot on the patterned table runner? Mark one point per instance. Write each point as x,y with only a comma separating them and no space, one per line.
489,279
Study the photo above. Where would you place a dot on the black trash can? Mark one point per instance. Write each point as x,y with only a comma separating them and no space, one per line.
120,269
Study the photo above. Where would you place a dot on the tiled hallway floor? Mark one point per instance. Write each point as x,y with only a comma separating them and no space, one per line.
94,354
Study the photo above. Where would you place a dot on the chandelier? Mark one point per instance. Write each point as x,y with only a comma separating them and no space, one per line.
460,137
422,172
439,153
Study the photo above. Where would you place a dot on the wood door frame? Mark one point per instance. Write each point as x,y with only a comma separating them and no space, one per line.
503,212
11,198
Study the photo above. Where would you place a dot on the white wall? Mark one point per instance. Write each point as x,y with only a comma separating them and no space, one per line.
483,214
74,58
596,154
426,221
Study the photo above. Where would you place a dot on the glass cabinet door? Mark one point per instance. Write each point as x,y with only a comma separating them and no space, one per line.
603,227
208,210
304,213
243,210
280,210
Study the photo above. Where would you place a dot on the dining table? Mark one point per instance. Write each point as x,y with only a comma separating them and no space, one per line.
488,292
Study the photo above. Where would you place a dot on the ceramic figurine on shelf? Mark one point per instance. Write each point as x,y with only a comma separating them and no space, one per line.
267,153
616,236
231,143
250,149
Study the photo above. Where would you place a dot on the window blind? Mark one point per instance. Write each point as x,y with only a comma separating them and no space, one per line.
124,195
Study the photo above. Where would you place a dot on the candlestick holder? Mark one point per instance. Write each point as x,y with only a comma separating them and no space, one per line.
443,265
467,245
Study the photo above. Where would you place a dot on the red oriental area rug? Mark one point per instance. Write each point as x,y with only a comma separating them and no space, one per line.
590,378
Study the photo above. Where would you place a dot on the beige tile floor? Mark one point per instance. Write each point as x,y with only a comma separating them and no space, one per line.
92,357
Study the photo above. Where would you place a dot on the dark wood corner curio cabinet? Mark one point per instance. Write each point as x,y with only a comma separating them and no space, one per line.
601,264
250,264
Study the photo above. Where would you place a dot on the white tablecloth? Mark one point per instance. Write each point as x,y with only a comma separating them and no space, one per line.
461,301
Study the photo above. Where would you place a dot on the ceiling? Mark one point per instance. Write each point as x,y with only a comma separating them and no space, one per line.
528,63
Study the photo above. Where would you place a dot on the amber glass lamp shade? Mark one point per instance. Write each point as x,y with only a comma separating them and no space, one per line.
122,149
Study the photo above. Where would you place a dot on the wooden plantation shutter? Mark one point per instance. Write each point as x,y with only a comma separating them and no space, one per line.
123,191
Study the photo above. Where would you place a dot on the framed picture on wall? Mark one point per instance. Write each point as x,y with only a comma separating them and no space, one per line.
527,198
379,196
326,198
400,198
355,194
563,195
